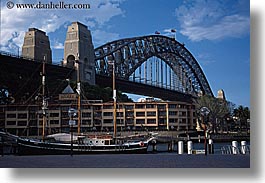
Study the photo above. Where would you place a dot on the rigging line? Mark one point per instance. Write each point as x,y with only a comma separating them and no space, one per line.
61,83
82,94
33,94
29,79
27,109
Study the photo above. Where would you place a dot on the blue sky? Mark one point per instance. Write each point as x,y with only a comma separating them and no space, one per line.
217,33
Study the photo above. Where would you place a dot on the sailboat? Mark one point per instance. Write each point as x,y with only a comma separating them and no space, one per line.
69,143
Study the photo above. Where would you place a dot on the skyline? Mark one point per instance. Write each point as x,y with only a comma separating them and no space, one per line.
217,33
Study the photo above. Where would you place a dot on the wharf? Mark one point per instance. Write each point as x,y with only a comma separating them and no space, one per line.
175,136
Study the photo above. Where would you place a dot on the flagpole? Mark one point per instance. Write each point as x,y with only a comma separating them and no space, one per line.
174,31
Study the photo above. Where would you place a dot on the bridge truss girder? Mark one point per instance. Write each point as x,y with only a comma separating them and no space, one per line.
129,54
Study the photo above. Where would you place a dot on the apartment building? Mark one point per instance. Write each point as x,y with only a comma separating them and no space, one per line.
27,120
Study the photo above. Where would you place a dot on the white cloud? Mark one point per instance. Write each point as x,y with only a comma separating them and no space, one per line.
101,37
57,45
210,20
205,59
168,32
19,20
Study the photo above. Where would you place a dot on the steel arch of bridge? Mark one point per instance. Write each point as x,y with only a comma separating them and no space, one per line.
129,54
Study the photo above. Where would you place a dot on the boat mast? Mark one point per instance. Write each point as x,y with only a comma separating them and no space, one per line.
114,100
44,104
79,96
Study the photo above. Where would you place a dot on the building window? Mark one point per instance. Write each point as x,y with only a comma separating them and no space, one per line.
107,114
11,123
172,106
129,107
54,114
182,114
140,121
22,123
140,114
97,107
120,121
173,113
22,116
182,106
139,106
163,113
182,121
86,114
108,121
11,116
162,121
108,107
161,107
151,113
54,122
151,121
119,114
86,122
148,106
173,120
129,114
129,121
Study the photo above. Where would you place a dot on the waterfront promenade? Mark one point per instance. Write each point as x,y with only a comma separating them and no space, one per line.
159,160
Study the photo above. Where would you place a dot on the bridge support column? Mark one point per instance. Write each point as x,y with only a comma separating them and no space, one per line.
78,46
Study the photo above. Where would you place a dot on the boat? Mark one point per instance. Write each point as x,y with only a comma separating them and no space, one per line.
69,143
82,144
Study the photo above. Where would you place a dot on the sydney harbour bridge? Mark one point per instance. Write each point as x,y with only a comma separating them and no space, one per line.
155,60
153,65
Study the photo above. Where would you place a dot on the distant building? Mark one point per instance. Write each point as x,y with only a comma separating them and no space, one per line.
36,46
27,120
221,94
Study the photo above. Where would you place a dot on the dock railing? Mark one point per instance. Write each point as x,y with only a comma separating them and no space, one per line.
229,149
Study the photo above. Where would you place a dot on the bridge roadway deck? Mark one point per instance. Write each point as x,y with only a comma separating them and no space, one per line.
143,89
159,160
22,77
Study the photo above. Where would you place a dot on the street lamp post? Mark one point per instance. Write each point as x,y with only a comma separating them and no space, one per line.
204,112
71,114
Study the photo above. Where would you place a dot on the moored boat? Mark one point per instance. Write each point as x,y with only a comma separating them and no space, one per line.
81,145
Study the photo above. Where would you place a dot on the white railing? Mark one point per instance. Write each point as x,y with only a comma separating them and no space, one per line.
229,149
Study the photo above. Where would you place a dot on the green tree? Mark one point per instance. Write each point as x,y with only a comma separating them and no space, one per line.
242,114
219,109
94,92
